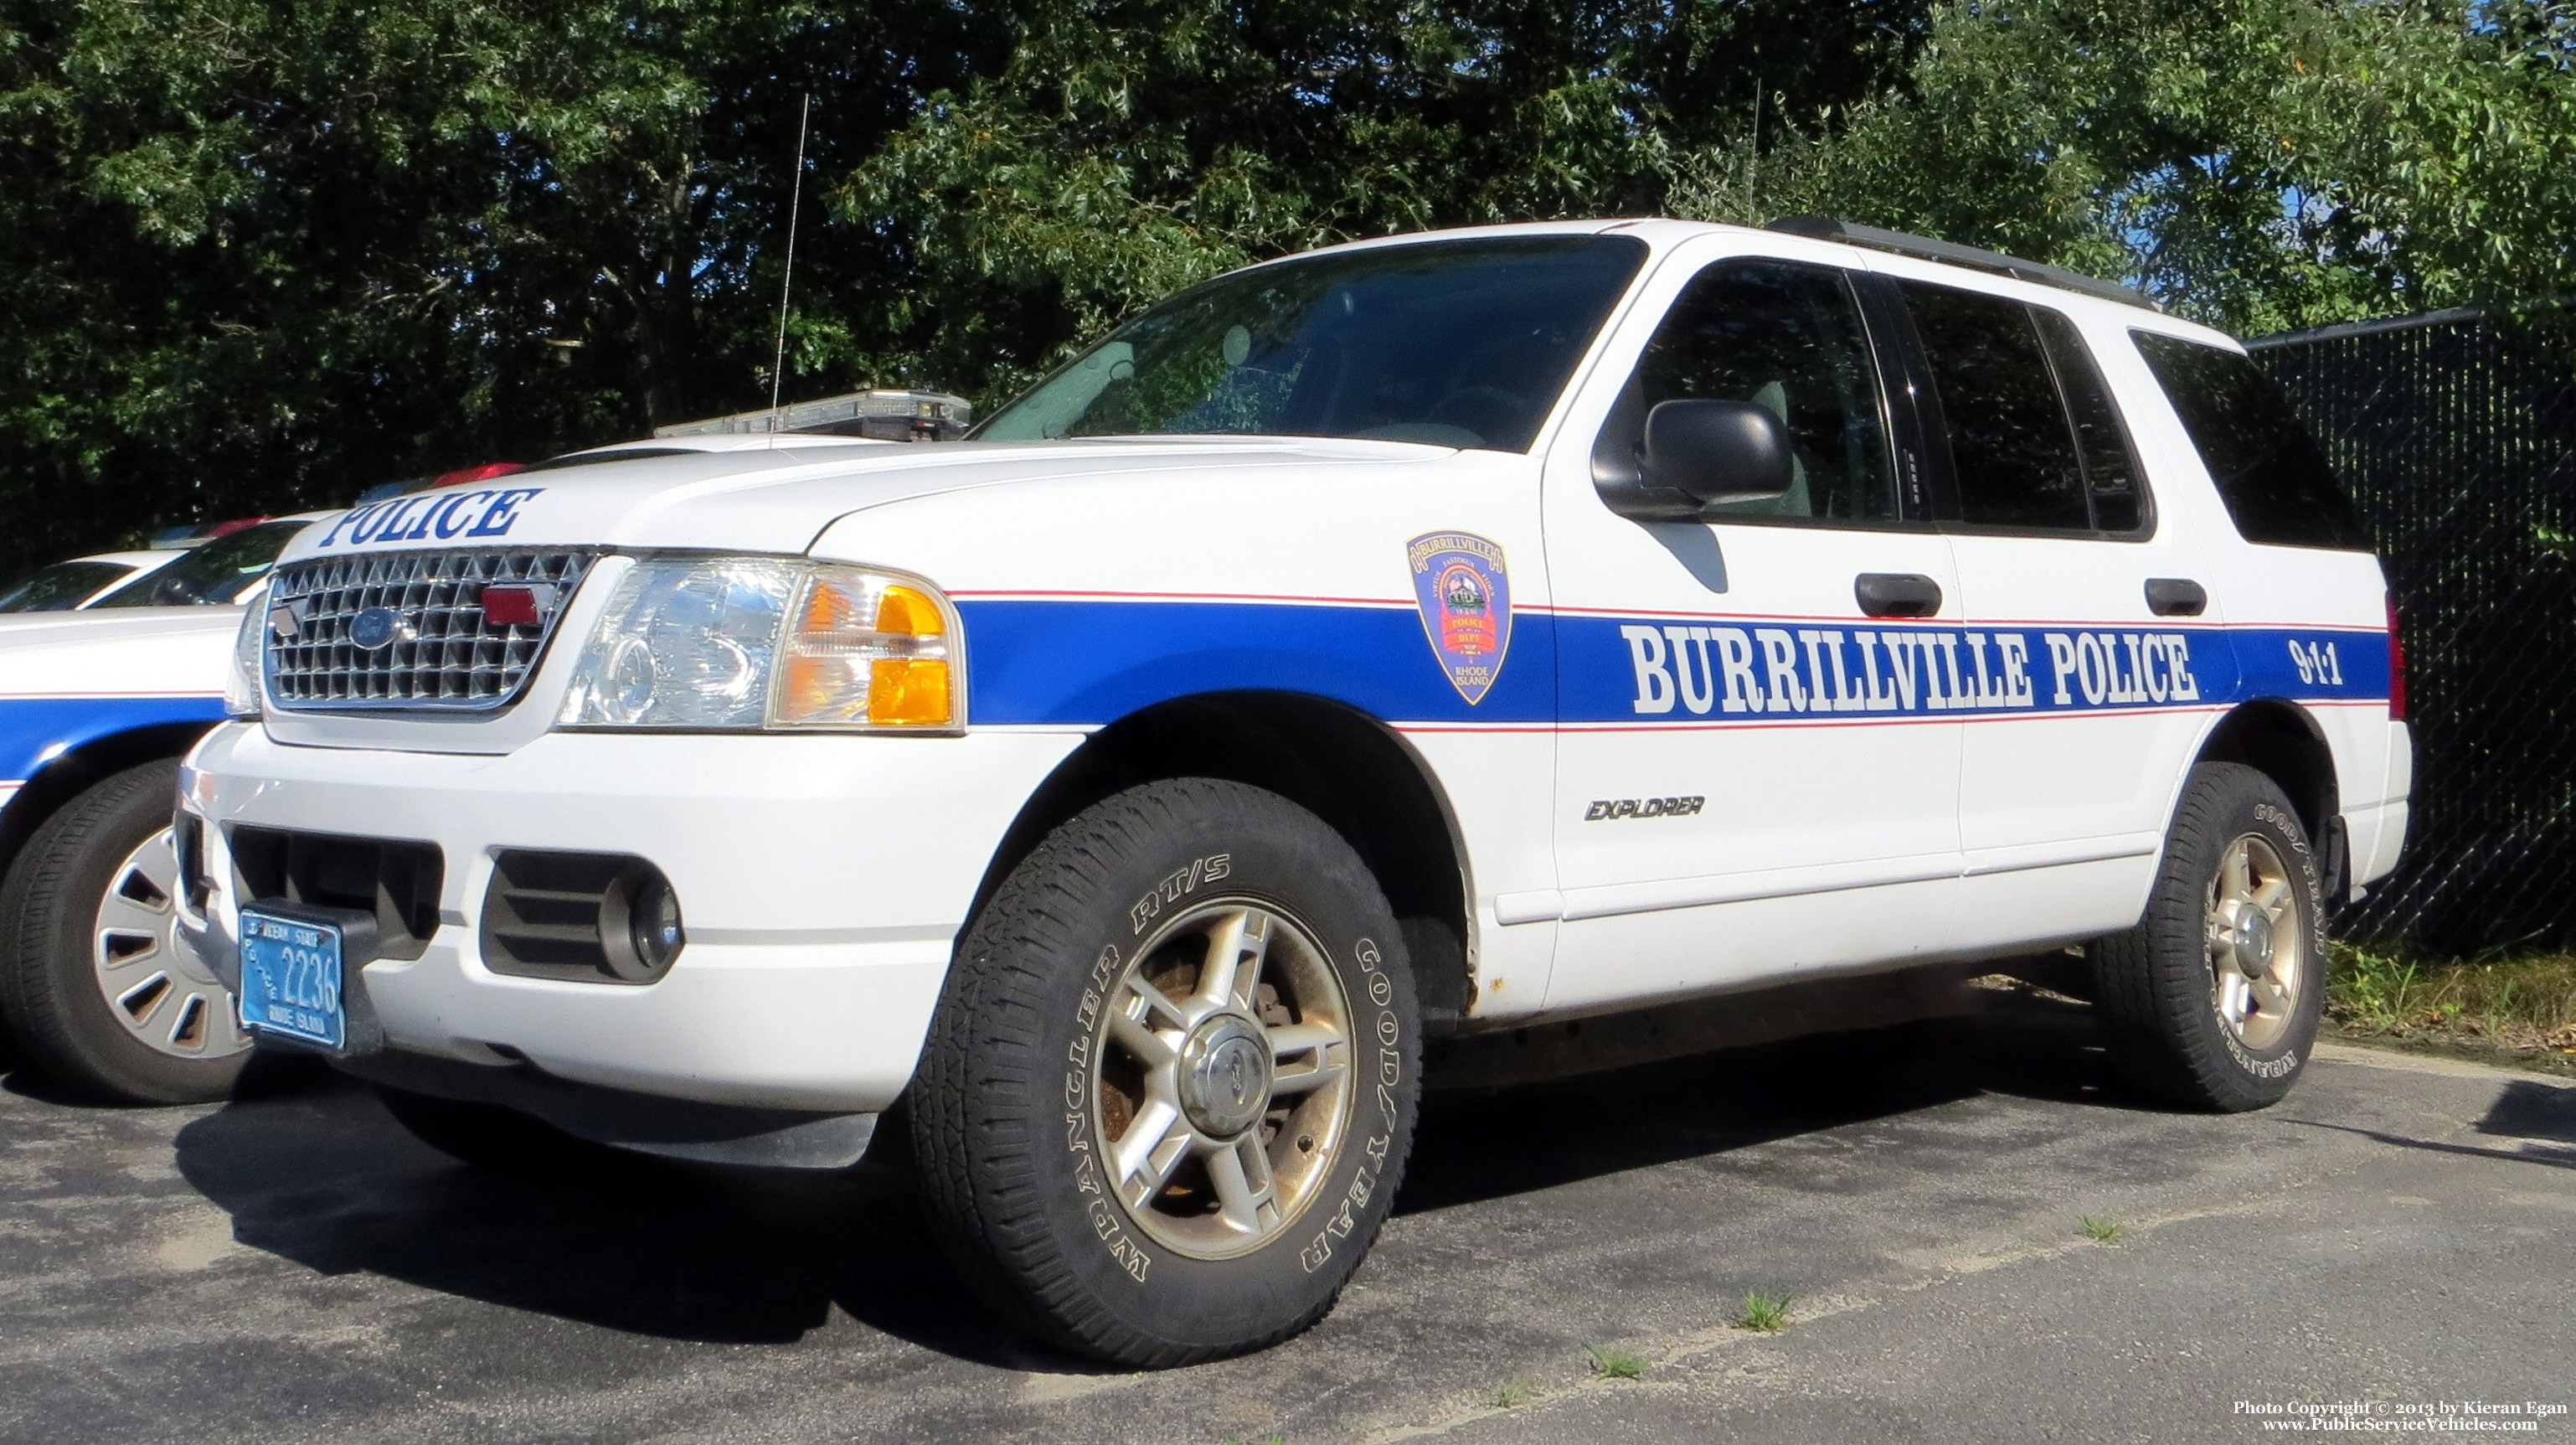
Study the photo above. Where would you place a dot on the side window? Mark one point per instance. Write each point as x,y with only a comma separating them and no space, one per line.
2110,478
2033,435
2276,484
1789,338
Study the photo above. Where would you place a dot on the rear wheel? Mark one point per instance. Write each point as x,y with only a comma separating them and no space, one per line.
2213,999
1171,1084
94,983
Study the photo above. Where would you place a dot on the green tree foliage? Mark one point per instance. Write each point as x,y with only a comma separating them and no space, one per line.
2261,164
258,254
1132,146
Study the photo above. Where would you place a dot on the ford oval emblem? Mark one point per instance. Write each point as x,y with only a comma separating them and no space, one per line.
376,627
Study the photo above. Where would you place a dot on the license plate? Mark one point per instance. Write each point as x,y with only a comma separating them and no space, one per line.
290,979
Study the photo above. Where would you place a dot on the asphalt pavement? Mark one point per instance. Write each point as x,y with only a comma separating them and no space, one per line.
2394,1239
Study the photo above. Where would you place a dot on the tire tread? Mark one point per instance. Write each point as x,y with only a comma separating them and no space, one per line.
996,1233
43,882
2151,988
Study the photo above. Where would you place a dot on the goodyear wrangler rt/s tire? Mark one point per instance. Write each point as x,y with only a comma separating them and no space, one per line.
2213,999
94,982
1171,1084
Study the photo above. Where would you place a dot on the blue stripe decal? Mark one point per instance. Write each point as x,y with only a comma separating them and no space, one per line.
35,730
1091,662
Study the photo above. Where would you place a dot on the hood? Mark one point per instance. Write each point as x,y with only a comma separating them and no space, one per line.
145,650
780,501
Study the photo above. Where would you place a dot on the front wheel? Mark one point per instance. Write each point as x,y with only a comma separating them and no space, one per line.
1171,1083
94,982
2213,999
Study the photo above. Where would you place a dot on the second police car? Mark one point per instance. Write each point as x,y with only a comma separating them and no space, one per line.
1436,633
99,697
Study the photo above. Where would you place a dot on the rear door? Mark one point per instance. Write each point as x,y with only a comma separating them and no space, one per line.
2063,558
1753,773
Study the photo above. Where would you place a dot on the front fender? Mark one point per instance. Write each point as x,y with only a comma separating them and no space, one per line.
1091,660
36,732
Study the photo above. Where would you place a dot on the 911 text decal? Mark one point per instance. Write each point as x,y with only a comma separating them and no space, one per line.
1773,670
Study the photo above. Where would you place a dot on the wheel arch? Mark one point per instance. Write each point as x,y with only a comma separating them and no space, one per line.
1343,765
68,773
2278,738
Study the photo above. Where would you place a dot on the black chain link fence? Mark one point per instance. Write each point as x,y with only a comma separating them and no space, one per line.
2456,432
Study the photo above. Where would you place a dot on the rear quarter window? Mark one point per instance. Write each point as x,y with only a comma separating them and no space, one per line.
2275,482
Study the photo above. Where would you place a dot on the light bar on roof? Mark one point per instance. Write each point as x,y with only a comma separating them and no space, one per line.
849,414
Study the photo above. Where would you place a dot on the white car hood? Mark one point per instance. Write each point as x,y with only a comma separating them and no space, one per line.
118,652
780,501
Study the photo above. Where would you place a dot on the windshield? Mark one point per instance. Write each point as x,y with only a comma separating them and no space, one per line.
61,587
1456,343
214,573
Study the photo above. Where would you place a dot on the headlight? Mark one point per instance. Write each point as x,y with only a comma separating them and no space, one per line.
242,681
748,642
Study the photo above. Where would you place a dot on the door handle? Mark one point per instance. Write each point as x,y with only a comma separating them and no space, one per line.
2176,597
1896,594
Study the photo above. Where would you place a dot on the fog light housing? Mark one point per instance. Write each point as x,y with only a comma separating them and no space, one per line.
609,918
639,924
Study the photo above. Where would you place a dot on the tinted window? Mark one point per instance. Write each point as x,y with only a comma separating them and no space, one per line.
2276,484
1456,343
212,574
2010,440
1787,338
2110,478
61,587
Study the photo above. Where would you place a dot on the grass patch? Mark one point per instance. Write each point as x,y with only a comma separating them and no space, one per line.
2100,1230
1612,1363
1763,1314
1515,1393
2522,1004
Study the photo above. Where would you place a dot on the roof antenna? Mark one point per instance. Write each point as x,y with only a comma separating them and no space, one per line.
795,201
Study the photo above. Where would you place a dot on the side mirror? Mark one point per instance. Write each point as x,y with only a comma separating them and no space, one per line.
1716,451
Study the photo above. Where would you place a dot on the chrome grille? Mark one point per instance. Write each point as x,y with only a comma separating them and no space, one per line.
445,656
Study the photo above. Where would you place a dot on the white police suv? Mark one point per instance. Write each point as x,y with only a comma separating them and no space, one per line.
1425,634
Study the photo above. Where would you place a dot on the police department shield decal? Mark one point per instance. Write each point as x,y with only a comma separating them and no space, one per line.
1465,597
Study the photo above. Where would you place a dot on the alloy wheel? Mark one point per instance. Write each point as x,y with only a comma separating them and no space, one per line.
1221,1068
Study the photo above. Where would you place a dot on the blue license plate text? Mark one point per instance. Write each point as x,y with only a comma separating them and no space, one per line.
290,979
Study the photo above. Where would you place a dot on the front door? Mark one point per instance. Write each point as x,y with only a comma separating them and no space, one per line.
1754,773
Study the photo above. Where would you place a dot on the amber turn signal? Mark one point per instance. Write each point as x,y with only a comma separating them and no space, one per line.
868,651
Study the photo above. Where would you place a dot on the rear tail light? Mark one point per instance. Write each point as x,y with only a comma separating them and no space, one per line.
2396,667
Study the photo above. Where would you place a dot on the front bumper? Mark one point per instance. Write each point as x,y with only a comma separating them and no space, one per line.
822,880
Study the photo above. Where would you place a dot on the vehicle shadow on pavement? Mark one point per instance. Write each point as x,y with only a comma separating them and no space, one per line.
2538,1118
323,1177
328,1180
2019,1043
2531,1110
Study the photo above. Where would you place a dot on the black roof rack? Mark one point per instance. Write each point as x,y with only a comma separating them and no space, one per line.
1825,228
